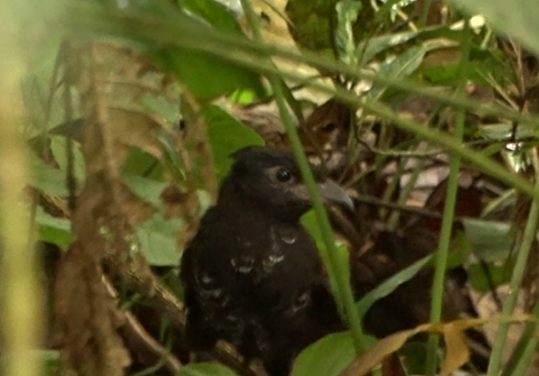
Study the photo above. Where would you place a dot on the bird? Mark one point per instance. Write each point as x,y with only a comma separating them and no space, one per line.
252,274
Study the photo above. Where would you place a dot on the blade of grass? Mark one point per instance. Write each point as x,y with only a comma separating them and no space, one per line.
524,351
510,301
449,211
390,285
393,220
336,267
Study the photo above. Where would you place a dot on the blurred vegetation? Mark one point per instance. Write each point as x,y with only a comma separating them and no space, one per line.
118,118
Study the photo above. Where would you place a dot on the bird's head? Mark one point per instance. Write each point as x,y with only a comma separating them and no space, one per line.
271,179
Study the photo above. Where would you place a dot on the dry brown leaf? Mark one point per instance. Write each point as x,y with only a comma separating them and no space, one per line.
363,363
457,352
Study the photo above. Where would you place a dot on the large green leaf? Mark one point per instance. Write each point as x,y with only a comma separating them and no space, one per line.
400,67
139,162
347,12
368,49
158,235
312,23
483,277
226,135
326,357
59,150
205,76
158,240
215,13
46,178
482,63
503,131
491,241
52,229
146,189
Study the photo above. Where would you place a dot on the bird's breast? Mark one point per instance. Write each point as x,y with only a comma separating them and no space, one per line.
276,266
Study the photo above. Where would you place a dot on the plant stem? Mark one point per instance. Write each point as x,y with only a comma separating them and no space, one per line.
449,213
20,295
509,303
336,267
523,353
393,220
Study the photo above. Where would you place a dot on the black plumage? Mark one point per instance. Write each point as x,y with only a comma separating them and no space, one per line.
252,274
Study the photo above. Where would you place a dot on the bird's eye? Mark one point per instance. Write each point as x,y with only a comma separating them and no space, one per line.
283,175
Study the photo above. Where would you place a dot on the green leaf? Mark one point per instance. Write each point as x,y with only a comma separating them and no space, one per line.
491,241
312,22
326,357
483,63
414,354
46,178
52,229
58,148
157,237
387,9
140,162
391,284
215,13
347,13
172,157
503,131
205,369
400,67
367,50
146,189
226,135
206,77
498,274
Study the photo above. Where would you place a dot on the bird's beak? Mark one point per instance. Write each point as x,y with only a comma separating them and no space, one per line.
331,192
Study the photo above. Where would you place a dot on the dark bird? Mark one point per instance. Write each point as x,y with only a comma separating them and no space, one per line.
252,274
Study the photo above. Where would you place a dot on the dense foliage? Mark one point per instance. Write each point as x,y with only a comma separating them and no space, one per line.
117,129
